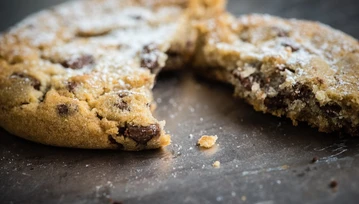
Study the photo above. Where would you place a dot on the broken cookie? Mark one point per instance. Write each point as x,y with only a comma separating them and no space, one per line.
81,74
302,70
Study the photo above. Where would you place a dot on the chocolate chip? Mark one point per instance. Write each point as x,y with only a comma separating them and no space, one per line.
79,62
142,134
301,92
71,85
173,54
236,73
66,109
275,103
294,48
331,109
63,109
333,184
43,97
280,32
121,130
315,159
32,81
149,57
85,34
114,142
248,81
122,105
99,116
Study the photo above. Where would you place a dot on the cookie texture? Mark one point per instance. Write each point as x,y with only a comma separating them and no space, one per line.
302,70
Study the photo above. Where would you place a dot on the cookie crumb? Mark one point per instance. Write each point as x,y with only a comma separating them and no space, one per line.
216,164
207,141
243,198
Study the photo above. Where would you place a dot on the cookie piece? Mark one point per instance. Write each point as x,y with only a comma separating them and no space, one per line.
302,70
207,141
81,74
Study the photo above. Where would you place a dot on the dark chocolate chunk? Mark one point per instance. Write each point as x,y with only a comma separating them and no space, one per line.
66,109
301,92
84,34
71,85
248,81
113,141
32,80
173,54
43,97
63,109
331,109
122,105
79,62
333,184
142,134
99,116
279,32
315,159
121,130
275,103
149,57
236,73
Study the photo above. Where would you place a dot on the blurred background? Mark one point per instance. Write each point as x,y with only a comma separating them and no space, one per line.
342,15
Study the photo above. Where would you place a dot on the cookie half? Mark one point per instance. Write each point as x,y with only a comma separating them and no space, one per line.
81,74
302,70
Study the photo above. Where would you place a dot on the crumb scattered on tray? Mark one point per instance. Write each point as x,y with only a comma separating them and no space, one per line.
207,141
243,198
216,164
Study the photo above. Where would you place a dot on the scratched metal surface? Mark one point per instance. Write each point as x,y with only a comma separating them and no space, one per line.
264,159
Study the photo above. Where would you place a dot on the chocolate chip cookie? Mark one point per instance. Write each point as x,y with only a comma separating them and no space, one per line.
81,74
302,70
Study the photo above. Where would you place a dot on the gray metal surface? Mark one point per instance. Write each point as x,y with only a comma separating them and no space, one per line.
264,159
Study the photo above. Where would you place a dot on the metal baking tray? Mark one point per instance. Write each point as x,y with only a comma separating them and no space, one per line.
264,159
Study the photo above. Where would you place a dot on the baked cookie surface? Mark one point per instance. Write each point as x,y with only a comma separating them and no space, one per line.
302,70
